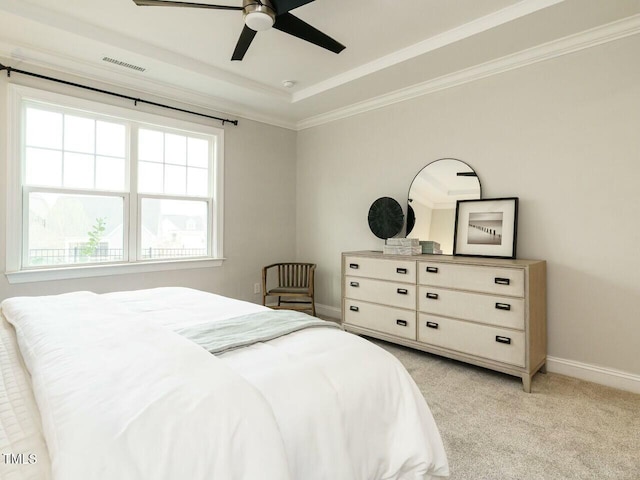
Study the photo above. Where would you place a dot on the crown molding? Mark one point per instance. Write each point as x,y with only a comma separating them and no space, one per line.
113,39
566,45
469,29
105,75
49,60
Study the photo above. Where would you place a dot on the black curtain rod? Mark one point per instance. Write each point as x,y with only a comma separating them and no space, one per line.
106,92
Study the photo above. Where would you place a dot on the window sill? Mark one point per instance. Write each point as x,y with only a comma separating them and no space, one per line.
65,273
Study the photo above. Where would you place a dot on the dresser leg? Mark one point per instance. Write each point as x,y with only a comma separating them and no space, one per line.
526,383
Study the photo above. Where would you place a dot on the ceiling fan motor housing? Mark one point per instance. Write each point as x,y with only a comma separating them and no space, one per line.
259,15
262,15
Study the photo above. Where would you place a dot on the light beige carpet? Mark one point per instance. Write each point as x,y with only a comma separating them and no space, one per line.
492,429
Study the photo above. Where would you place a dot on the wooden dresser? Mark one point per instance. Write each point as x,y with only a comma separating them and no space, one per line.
488,312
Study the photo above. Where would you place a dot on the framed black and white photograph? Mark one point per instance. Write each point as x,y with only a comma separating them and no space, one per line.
486,228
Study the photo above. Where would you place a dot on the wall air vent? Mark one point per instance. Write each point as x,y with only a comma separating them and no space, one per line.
123,64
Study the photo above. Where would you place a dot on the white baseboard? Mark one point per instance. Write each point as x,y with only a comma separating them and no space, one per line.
592,373
328,311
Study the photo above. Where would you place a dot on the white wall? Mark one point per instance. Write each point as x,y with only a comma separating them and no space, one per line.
563,135
259,203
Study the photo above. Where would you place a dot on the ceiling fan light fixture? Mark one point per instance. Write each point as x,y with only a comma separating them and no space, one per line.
259,17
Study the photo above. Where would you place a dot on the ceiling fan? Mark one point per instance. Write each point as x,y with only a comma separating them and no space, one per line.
261,15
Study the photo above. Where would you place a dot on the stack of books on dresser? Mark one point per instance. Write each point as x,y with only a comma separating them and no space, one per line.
429,246
402,246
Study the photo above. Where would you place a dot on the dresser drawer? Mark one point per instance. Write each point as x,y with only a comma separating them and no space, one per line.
394,321
499,344
381,268
378,291
500,281
490,309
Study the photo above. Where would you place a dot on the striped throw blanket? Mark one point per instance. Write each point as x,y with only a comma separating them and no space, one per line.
224,335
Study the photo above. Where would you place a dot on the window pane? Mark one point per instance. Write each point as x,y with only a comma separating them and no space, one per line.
44,167
71,229
110,139
198,153
197,182
175,180
150,145
79,134
175,149
110,173
150,177
78,170
78,162
44,129
173,228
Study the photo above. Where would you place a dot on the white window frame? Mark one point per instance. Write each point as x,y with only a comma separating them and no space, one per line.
16,192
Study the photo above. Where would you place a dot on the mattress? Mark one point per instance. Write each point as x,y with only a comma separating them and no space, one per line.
20,423
344,408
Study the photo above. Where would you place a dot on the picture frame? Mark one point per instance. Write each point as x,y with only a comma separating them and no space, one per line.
486,228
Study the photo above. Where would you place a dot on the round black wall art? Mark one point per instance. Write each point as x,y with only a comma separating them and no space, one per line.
385,217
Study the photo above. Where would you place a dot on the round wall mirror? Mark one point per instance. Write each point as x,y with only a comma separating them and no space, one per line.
432,200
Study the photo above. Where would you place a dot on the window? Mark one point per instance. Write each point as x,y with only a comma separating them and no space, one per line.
93,185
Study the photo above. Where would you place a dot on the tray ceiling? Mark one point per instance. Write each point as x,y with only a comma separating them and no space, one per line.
185,53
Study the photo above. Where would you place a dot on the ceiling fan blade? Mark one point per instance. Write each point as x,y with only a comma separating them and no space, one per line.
287,23
246,37
283,6
166,3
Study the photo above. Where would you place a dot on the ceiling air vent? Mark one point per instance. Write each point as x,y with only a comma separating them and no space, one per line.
123,64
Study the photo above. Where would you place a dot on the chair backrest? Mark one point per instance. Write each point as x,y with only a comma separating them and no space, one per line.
294,274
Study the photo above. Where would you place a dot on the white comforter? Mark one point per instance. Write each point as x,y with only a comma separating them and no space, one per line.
122,396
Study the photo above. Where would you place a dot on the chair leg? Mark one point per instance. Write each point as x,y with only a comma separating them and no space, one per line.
264,300
279,301
313,307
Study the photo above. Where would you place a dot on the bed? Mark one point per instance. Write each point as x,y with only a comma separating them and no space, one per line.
109,387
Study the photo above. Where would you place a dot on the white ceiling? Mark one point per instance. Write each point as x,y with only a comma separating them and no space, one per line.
394,48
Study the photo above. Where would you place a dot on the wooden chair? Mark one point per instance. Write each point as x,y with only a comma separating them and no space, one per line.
295,281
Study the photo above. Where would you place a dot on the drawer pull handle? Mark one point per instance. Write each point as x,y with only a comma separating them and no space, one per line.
401,270
433,296
355,266
432,325
402,291
354,308
500,339
502,281
432,269
357,284
503,306
402,323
